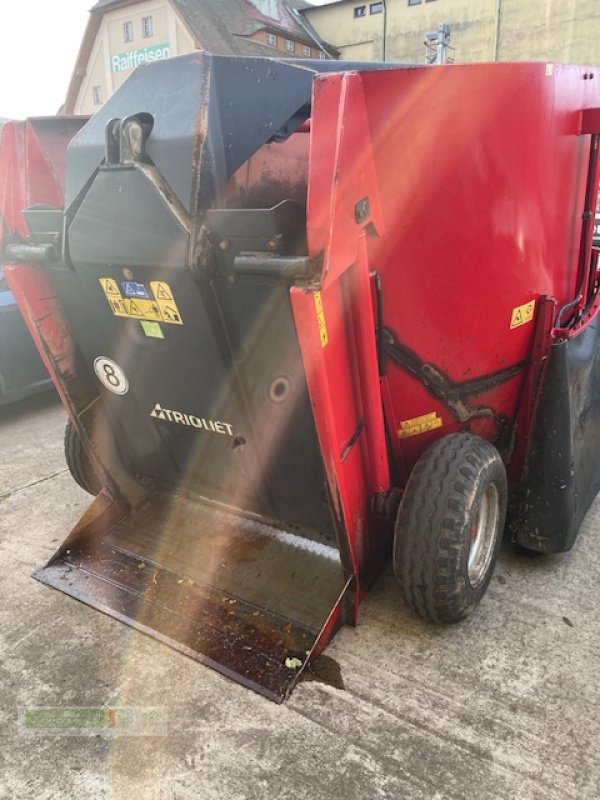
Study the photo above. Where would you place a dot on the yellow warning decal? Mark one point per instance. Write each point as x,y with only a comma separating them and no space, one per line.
159,308
417,425
110,287
321,320
521,315
161,290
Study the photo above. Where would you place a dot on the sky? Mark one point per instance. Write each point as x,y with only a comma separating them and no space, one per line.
39,42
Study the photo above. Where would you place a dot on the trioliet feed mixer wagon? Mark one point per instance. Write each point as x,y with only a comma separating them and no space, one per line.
302,319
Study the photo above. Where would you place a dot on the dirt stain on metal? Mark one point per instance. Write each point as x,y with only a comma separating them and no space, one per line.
325,670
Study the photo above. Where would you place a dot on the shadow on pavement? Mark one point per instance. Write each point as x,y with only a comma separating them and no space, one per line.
28,407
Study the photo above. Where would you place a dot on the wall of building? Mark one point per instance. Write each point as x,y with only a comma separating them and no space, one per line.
112,58
550,30
472,26
481,30
356,38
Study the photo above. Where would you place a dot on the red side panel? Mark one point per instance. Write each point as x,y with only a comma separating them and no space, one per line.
33,167
336,323
476,177
340,414
342,169
45,319
47,142
463,187
13,193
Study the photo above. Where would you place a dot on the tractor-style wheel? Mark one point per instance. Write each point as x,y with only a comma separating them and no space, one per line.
449,527
79,463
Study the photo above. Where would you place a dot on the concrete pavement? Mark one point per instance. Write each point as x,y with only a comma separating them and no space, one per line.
504,705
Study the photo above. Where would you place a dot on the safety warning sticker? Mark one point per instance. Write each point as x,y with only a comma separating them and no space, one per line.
133,289
417,425
521,315
158,305
321,320
110,287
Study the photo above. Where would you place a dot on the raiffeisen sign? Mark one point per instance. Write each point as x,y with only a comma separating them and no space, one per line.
145,55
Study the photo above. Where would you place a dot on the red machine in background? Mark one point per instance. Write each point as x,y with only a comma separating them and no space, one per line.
33,160
294,313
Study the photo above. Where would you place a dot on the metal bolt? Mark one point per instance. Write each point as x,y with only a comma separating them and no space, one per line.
224,244
272,244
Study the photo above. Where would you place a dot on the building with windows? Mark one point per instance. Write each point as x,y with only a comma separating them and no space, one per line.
481,30
124,34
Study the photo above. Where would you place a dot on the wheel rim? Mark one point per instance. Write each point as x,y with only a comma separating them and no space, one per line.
483,536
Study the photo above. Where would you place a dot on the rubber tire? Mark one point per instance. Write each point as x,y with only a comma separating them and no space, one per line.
79,463
433,527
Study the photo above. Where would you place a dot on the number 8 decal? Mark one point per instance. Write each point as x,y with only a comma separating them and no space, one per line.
111,375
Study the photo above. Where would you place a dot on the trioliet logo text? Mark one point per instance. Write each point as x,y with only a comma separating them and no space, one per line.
191,421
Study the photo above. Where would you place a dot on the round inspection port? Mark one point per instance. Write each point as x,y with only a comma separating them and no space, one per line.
279,389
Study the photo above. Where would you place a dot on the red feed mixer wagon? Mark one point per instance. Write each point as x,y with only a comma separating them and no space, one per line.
302,319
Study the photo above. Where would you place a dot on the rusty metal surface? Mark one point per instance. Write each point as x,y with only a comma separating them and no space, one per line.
232,593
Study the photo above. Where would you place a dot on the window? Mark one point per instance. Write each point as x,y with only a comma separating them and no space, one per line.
290,46
128,31
267,7
306,50
322,56
272,39
97,95
376,8
360,11
414,2
147,27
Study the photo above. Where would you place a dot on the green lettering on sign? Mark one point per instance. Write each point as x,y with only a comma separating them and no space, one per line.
122,62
